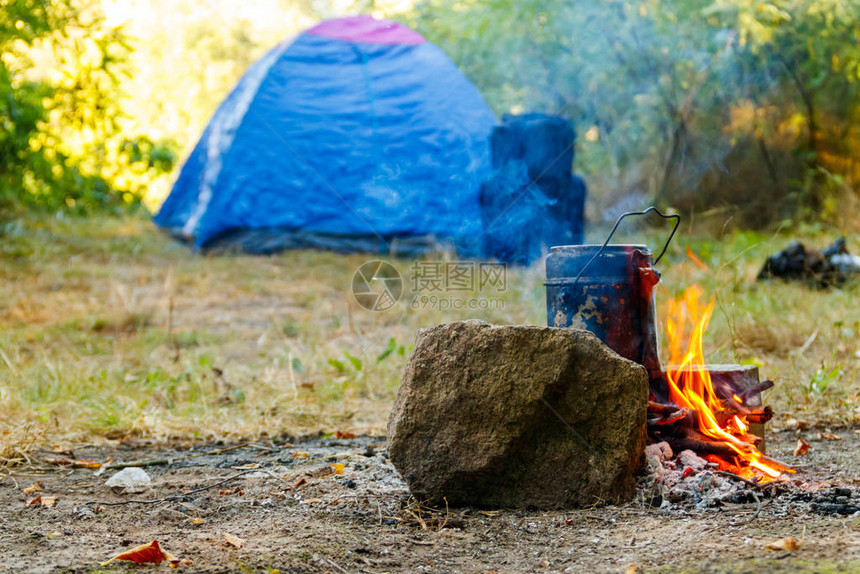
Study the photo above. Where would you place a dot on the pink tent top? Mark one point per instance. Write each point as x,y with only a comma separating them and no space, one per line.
368,30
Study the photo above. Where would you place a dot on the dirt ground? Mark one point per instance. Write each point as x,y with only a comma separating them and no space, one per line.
296,513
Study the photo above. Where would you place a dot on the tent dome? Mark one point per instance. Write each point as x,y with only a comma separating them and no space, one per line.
355,134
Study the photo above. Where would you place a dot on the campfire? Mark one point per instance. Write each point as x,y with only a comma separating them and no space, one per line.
713,410
708,409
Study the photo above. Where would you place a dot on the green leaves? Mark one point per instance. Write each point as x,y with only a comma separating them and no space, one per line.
61,145
390,348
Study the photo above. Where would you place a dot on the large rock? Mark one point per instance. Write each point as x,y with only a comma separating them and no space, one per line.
515,416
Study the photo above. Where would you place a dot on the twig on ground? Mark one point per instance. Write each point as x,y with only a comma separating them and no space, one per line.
757,506
173,497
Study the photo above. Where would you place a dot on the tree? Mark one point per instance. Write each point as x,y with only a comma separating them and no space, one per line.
696,104
61,143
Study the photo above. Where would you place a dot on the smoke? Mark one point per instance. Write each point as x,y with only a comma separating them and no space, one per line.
652,83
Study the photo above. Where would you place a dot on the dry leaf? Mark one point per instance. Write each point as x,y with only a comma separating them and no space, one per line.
43,501
145,553
314,501
197,521
300,454
298,483
233,540
784,544
338,467
344,435
31,489
802,448
829,436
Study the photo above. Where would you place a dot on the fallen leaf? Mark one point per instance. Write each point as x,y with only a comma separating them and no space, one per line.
197,521
31,489
802,448
338,467
43,501
314,501
829,436
784,544
145,553
87,464
233,540
344,435
799,425
300,454
298,483
632,569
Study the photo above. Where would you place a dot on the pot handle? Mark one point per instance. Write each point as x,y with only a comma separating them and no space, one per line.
651,209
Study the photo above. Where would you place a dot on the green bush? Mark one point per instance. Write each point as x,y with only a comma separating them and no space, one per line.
61,140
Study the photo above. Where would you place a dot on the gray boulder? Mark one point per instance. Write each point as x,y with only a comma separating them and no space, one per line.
516,416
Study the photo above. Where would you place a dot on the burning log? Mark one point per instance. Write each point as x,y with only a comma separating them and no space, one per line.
724,400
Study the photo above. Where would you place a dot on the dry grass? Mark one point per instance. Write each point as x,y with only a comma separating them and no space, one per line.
109,329
16,442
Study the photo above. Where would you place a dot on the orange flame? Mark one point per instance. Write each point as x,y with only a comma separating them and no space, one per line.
690,386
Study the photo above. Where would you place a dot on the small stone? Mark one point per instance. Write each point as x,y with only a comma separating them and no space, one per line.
661,450
653,463
129,480
689,459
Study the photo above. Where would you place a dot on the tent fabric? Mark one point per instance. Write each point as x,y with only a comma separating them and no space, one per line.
358,132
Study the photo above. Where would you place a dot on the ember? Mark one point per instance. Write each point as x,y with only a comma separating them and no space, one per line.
713,420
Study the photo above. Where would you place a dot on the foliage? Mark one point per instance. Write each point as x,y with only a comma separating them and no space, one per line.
61,138
700,104
695,103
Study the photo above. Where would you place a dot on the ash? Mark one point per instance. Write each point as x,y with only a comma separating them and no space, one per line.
679,484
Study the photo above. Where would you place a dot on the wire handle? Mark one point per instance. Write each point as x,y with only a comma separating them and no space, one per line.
651,209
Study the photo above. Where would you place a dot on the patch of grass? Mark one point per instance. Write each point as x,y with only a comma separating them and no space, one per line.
107,327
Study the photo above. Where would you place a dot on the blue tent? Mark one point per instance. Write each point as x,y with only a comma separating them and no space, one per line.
358,135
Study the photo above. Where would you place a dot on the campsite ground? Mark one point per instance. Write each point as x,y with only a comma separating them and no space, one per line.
292,513
112,335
